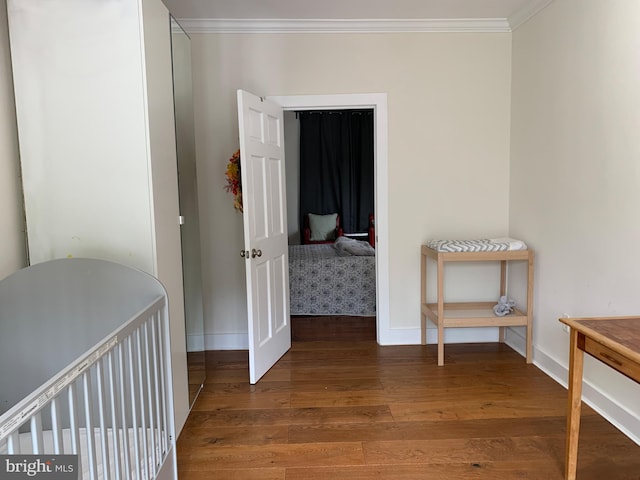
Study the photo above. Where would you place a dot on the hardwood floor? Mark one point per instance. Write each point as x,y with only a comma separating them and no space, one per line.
360,411
333,328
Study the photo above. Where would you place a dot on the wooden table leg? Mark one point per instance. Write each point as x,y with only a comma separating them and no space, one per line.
440,311
530,278
503,291
576,364
423,298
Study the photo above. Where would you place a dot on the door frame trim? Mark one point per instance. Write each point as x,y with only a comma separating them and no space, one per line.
378,102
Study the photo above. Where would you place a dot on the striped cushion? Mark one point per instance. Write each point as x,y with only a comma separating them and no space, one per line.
479,245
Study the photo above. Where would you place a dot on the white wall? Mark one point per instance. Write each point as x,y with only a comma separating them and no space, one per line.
12,246
448,103
575,177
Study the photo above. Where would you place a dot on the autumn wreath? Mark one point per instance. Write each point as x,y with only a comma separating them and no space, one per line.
234,180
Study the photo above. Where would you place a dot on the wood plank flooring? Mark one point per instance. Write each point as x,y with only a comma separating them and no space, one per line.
332,328
360,411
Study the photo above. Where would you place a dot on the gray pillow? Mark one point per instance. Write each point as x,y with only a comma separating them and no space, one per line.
323,227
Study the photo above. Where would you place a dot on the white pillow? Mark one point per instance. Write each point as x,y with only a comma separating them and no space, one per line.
323,227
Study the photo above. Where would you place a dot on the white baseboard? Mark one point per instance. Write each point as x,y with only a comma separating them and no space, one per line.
195,343
226,341
393,336
388,336
411,336
516,340
615,413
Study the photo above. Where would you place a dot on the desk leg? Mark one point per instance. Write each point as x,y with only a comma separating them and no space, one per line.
503,291
423,298
576,363
440,311
530,278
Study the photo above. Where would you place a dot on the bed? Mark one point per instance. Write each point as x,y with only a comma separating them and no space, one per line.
85,369
326,280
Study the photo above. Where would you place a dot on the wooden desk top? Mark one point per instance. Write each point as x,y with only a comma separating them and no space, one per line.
621,334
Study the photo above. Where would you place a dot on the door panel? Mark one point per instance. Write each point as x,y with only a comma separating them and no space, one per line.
281,273
263,322
258,197
278,197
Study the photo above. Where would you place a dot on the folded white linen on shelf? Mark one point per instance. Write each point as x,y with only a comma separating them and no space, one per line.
511,242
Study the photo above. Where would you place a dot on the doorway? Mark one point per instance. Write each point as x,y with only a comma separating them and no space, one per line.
377,102
329,164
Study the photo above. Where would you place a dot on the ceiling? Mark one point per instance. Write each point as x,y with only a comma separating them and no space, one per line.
510,12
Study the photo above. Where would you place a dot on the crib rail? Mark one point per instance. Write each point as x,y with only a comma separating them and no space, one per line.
112,407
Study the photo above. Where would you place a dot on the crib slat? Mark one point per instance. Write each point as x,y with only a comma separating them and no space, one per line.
37,445
88,414
151,462
157,397
111,381
102,432
163,340
169,431
13,444
134,409
124,431
143,419
73,421
56,429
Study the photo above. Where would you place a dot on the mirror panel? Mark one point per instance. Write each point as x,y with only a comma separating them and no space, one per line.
187,185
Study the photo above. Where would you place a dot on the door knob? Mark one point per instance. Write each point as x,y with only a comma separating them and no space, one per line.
255,253
244,254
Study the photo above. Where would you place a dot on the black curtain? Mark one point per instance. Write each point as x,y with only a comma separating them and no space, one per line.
336,166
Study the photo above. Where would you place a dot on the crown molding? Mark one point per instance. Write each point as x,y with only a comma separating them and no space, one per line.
526,13
235,25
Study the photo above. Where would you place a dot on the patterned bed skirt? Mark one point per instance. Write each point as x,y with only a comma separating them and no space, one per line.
323,283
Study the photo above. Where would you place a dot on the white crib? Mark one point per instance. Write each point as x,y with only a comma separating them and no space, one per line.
85,368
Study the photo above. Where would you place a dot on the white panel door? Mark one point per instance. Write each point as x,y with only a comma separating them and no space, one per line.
265,231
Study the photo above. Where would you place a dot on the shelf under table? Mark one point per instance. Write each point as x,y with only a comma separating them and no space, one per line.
474,314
